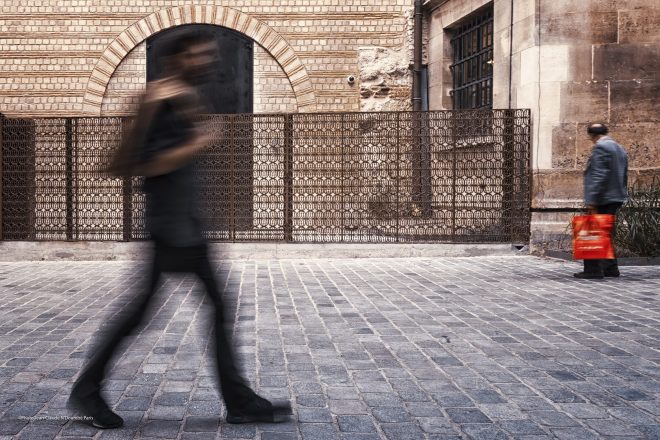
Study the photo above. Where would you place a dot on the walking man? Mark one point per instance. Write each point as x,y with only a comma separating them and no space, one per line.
605,190
165,139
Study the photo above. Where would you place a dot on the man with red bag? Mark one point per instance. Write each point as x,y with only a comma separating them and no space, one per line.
605,190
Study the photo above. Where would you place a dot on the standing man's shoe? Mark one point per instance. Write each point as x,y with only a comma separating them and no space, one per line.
588,275
612,273
95,408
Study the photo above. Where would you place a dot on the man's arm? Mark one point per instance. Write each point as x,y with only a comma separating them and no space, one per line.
174,158
186,106
123,162
596,176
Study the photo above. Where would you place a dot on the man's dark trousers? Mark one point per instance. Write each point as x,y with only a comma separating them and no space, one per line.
604,266
193,259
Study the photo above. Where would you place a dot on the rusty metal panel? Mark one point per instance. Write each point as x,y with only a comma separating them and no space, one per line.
442,176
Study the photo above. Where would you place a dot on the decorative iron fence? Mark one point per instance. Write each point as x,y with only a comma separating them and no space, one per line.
442,176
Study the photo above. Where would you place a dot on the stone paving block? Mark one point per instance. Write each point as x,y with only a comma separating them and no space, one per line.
76,428
584,410
318,431
381,399
344,407
278,436
502,411
521,427
160,428
483,432
12,426
134,404
201,424
172,399
356,424
553,418
402,431
237,431
574,434
312,400
562,395
169,412
360,436
612,427
39,431
198,436
140,391
25,409
314,415
467,415
436,425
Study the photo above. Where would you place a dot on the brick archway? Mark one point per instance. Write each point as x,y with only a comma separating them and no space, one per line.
230,18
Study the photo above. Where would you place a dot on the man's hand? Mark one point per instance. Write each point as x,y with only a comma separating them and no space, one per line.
164,89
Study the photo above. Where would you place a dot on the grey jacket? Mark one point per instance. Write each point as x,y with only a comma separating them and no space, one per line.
606,176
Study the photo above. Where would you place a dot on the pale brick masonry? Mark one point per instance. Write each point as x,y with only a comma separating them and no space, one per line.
72,58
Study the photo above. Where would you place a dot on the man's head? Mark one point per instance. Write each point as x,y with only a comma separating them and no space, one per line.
596,131
191,55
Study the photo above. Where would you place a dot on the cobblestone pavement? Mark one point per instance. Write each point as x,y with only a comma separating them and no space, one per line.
422,348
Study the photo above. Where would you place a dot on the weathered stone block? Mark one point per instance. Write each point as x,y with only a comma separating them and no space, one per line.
626,61
557,7
584,102
557,185
643,177
584,26
524,34
638,139
634,101
579,62
563,146
639,26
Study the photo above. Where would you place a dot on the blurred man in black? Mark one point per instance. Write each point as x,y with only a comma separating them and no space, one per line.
163,143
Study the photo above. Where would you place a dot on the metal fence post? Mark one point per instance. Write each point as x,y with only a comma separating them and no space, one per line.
2,129
454,142
288,178
398,208
507,174
127,193
68,158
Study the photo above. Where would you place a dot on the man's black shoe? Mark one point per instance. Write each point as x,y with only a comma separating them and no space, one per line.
588,275
94,407
612,273
258,409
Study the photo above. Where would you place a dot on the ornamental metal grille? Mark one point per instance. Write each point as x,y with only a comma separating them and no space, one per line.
443,176
472,69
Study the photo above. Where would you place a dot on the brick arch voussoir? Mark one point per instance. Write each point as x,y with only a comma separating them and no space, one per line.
230,18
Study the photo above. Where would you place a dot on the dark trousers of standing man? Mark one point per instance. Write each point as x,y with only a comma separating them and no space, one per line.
195,260
604,266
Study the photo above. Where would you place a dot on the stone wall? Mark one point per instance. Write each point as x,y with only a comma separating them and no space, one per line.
572,63
79,58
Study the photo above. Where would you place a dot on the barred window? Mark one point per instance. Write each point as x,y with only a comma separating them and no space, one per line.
472,69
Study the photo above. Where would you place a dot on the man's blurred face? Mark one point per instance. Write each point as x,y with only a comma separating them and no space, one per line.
198,62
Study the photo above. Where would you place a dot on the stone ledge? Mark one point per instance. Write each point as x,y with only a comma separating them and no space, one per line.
109,251
626,261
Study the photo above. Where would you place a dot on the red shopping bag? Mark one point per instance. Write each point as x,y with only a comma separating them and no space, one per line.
591,237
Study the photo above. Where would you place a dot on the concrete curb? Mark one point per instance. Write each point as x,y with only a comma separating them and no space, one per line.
11,251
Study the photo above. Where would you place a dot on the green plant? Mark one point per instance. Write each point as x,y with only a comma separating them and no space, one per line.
638,221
